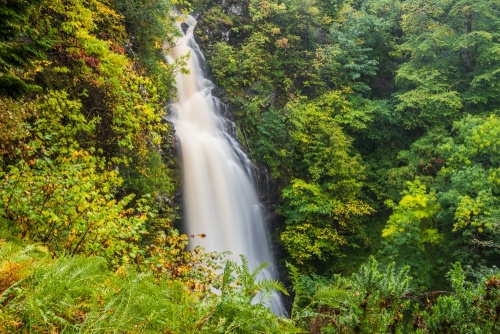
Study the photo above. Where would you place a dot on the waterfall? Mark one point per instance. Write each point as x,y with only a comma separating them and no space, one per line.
220,200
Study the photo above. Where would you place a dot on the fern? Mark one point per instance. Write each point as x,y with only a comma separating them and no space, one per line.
247,282
301,297
227,279
241,308
470,308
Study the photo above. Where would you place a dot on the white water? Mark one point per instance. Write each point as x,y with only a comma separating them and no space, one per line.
220,199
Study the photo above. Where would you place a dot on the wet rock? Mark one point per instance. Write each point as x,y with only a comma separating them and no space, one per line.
184,27
221,22
238,8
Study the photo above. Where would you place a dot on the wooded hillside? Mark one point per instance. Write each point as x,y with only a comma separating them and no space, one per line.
377,121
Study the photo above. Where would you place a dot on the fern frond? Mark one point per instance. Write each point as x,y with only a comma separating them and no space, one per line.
270,285
244,268
298,288
255,273
331,296
227,277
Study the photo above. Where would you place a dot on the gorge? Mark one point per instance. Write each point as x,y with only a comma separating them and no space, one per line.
222,210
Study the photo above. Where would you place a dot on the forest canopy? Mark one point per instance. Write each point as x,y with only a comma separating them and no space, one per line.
377,121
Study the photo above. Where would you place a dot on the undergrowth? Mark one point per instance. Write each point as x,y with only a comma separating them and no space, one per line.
72,294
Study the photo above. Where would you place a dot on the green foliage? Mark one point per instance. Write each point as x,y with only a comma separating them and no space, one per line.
236,311
370,301
169,259
415,209
471,308
323,206
344,61
476,141
472,173
77,294
301,21
273,147
304,287
428,149
449,47
283,51
148,25
20,45
349,104
322,149
217,26
423,159
67,205
411,235
74,157
376,300
89,63
459,168
431,102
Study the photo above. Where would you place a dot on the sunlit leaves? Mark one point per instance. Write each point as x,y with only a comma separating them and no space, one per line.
63,150
460,169
417,208
472,172
322,148
411,233
477,140
169,259
67,205
306,242
89,62
321,204
81,294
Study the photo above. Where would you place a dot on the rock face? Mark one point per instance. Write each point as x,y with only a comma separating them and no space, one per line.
238,8
227,21
219,21
224,21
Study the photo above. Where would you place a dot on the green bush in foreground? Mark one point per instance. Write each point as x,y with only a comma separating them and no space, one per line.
82,295
379,300
72,294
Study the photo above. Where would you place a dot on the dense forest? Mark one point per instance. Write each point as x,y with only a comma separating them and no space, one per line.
374,126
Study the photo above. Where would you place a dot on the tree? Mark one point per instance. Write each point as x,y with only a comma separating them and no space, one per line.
344,62
411,235
97,119
321,203
20,44
451,60
469,186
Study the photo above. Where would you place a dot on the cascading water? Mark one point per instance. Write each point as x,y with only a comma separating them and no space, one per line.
220,199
